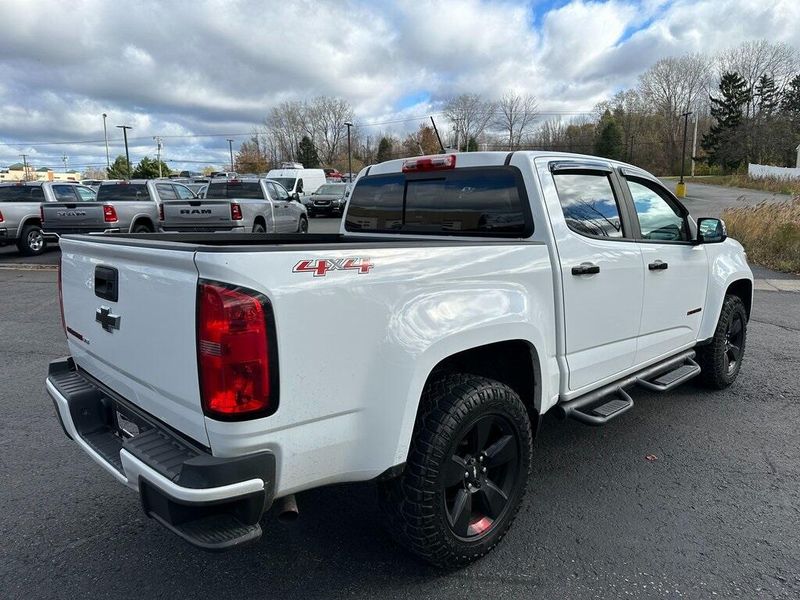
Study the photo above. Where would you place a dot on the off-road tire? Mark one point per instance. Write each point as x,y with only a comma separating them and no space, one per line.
715,358
415,501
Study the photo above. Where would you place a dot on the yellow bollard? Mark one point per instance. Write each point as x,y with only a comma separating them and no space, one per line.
680,190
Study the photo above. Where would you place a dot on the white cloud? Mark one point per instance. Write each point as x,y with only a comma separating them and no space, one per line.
172,68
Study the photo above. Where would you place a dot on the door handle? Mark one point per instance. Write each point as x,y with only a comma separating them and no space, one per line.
658,266
586,268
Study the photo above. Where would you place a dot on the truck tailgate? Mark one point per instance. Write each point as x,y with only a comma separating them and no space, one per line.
142,345
197,215
69,217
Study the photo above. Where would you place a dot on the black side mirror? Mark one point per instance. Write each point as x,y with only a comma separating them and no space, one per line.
711,231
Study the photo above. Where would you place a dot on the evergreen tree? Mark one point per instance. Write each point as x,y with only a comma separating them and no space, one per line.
307,153
384,149
725,144
472,144
766,94
118,168
148,169
790,103
609,138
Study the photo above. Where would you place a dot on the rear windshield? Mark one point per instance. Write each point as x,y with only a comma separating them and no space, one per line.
235,189
486,201
21,193
122,192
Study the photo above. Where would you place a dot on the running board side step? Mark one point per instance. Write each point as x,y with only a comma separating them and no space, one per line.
672,378
599,406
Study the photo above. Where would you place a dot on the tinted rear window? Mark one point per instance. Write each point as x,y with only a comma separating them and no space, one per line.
123,192
235,189
486,201
21,193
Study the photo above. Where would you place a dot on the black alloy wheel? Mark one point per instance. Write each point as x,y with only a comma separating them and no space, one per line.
479,477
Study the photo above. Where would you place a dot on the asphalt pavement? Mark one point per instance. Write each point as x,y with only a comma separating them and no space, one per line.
691,494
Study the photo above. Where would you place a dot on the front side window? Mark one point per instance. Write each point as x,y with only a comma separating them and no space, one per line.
589,204
658,219
64,193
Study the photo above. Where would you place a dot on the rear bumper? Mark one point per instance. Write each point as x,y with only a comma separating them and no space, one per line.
203,228
214,503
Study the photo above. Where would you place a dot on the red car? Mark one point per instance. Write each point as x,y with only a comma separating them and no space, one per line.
333,176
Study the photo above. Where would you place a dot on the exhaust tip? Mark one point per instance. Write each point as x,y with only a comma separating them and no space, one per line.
287,509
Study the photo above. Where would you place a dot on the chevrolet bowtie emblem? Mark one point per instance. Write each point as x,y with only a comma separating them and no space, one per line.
106,319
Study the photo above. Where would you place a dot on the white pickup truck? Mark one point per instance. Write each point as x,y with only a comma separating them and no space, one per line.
466,296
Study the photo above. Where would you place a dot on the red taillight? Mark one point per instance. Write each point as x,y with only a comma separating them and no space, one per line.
61,296
236,212
161,212
234,326
429,163
1,215
109,214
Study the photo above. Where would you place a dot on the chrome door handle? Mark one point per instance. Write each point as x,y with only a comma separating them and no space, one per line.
586,268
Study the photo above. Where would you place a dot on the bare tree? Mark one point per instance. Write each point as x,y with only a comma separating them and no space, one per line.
753,59
325,119
671,87
515,116
285,126
470,115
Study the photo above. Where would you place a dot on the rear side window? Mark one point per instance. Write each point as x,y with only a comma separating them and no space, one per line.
21,193
485,201
130,192
235,189
589,204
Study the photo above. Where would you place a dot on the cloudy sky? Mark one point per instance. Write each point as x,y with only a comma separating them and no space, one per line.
183,68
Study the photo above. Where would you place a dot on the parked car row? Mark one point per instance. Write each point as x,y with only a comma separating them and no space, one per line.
33,213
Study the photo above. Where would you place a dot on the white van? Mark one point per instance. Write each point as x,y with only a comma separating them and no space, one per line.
301,182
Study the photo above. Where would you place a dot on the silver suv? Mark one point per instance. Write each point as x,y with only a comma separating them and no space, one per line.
20,210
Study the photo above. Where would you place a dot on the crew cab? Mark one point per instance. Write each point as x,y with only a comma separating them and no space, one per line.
465,296
21,213
120,207
252,205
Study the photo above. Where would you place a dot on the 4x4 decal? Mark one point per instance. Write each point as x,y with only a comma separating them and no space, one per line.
322,266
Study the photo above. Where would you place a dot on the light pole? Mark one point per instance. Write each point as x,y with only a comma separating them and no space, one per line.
230,148
349,155
680,190
159,145
65,160
127,156
105,136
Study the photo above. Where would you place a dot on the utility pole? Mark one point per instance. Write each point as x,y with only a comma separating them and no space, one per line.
349,155
24,166
127,155
159,146
65,160
230,147
694,145
680,190
105,136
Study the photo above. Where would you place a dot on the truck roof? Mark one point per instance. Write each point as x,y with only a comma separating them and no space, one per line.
494,158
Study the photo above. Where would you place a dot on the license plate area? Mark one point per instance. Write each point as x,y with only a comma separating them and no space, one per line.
125,424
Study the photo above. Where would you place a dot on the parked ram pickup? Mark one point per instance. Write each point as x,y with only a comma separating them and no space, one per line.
250,205
466,296
120,207
21,210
